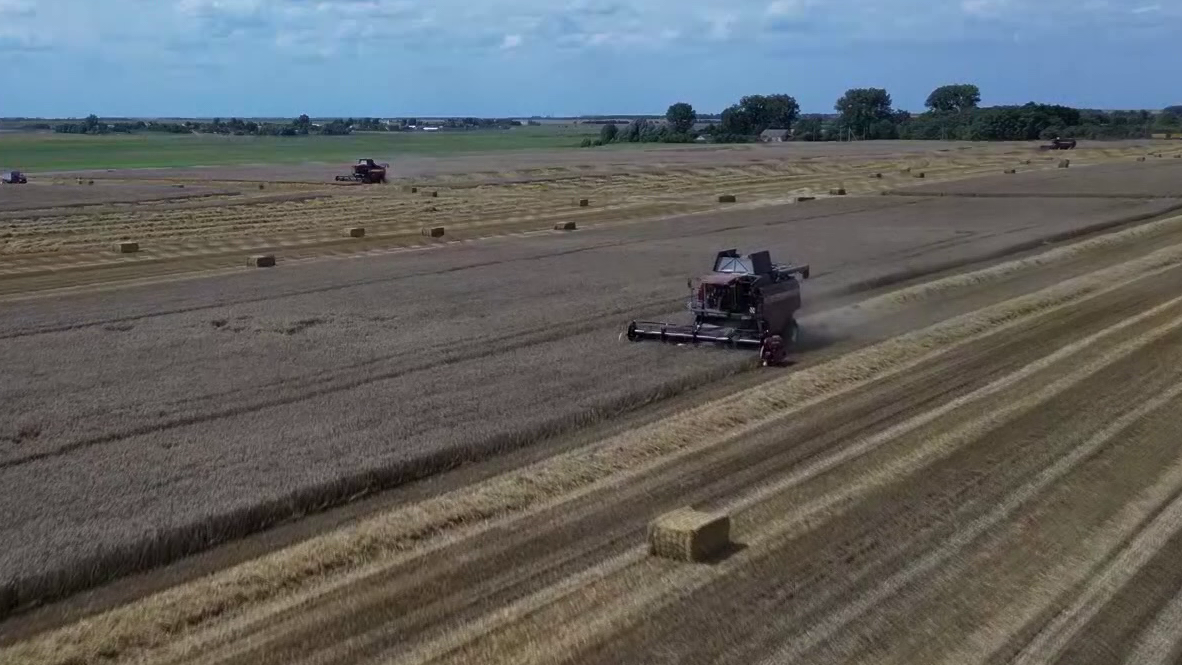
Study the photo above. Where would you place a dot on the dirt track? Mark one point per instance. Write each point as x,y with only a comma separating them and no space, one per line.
999,487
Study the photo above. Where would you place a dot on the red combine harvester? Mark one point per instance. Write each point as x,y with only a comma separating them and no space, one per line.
1059,144
747,301
366,171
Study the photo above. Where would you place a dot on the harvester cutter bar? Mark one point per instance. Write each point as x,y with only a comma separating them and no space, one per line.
638,330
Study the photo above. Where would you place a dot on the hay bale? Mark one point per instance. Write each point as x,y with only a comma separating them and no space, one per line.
261,185
1140,159
565,226
1064,163
433,232
839,191
802,199
727,198
878,175
689,535
906,170
583,203
356,231
432,194
921,174
90,182
128,247
1011,171
262,261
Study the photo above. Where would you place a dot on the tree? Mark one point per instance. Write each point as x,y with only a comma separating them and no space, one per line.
681,117
810,128
955,98
634,131
609,132
768,112
861,108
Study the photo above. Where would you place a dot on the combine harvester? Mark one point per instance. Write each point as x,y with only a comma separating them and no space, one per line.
747,301
366,171
1059,144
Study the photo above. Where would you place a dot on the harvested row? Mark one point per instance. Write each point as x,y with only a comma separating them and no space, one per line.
401,370
609,161
36,196
628,196
409,600
1161,179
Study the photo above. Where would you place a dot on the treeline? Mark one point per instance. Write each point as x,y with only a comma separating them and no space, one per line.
953,113
301,126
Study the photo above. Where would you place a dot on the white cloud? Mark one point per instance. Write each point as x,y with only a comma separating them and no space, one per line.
721,25
789,8
13,8
236,30
988,8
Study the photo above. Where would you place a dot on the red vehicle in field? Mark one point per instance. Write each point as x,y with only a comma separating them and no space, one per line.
747,301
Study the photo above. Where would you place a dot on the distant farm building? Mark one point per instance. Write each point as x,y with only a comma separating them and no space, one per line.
774,135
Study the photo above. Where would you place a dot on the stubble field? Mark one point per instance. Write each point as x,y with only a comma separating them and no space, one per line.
153,420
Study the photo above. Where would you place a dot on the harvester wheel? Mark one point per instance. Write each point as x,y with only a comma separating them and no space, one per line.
772,351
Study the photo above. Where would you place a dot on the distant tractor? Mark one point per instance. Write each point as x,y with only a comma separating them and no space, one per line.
14,178
1059,144
366,171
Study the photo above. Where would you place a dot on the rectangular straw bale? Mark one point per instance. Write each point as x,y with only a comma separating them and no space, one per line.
583,203
356,232
262,260
837,191
727,198
802,199
128,247
434,232
689,535
565,226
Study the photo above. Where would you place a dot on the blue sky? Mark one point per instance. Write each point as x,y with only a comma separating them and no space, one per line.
562,57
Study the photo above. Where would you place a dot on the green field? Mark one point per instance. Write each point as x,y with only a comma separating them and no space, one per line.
47,152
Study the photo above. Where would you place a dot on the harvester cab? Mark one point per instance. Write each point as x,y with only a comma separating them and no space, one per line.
746,301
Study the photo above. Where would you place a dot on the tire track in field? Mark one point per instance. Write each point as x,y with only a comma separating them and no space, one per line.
881,396
843,549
